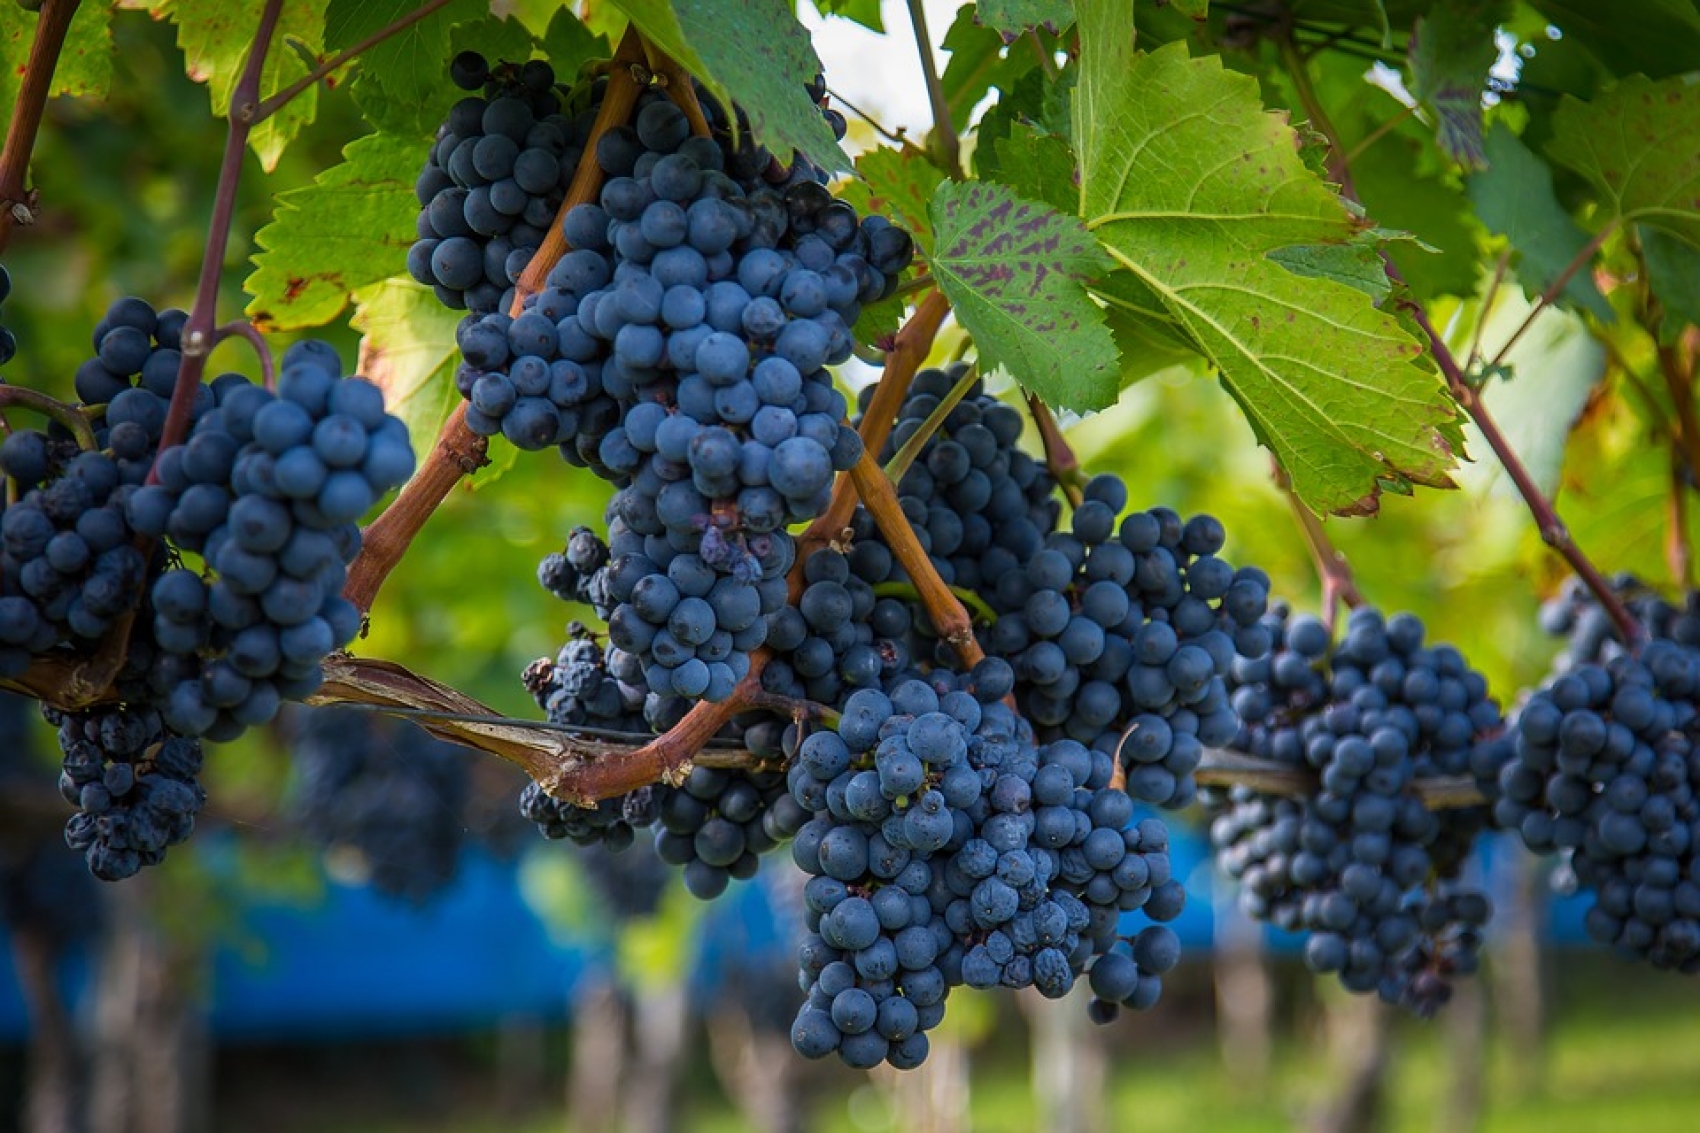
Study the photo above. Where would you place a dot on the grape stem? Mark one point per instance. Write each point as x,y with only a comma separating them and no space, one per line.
944,139
895,137
900,463
67,415
1552,529
1222,767
17,201
1059,457
283,97
794,709
983,611
198,333
242,328
908,350
459,451
1332,569
1556,287
675,82
948,616
1676,534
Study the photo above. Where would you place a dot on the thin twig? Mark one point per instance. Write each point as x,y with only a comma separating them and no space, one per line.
1059,455
67,415
1047,63
243,329
944,132
1332,569
198,331
909,592
899,464
1224,768
1556,287
1378,133
17,202
895,137
1488,300
277,101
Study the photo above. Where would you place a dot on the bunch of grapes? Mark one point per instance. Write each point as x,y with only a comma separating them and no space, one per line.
1361,866
135,786
266,491
383,790
495,177
1604,770
947,848
1591,638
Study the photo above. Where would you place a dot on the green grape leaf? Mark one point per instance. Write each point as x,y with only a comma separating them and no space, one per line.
214,37
1638,144
508,40
1191,185
1673,272
568,43
1191,9
1011,17
898,184
1038,166
1147,337
1013,271
978,63
879,320
408,350
409,70
1653,37
1514,198
755,54
864,12
1033,102
347,230
84,69
1451,51
1433,210
1355,265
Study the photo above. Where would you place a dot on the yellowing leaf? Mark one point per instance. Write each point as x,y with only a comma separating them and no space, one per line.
350,228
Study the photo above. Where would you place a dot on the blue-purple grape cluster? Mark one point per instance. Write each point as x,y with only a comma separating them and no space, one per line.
382,791
69,567
978,504
266,490
134,783
1604,770
1590,638
496,176
680,350
713,826
947,848
1361,865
